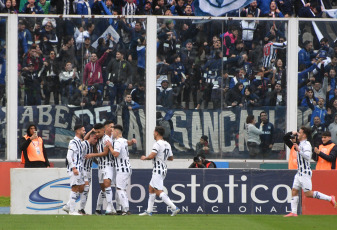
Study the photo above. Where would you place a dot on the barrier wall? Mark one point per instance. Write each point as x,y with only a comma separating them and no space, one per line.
324,181
5,188
40,191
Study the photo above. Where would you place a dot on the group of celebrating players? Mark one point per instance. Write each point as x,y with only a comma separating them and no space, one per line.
106,145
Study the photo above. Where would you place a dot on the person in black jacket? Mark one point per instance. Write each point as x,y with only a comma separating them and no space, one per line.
234,95
267,138
32,86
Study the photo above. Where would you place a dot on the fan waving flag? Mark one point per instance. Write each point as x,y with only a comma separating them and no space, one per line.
218,7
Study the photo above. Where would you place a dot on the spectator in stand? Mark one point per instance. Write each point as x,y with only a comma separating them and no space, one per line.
273,11
229,40
248,30
25,38
167,36
118,74
68,52
250,99
253,136
234,96
316,131
331,65
188,55
286,7
277,97
261,84
313,10
255,56
264,5
93,71
160,8
31,7
333,129
162,70
147,9
69,83
319,111
141,59
127,105
45,6
48,38
50,76
325,46
95,95
32,57
85,52
129,9
165,95
331,112
267,137
177,80
202,147
80,98
32,85
332,98
306,54
252,9
84,7
270,51
177,8
65,7
305,80
309,100
319,90
138,94
279,74
8,8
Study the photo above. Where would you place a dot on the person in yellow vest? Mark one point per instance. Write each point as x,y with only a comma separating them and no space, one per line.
289,139
33,152
326,154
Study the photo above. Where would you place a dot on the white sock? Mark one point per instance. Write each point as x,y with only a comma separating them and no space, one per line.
321,196
72,201
84,196
150,202
118,202
100,199
294,204
123,200
108,193
167,200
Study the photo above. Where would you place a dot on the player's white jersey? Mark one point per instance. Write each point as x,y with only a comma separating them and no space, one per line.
87,148
303,158
75,154
107,160
122,162
163,150
270,51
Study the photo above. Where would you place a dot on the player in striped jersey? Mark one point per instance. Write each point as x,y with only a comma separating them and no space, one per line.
303,176
105,167
119,150
75,169
270,51
89,146
161,152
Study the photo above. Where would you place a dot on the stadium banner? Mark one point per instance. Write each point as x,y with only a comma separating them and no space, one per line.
213,191
218,8
225,128
40,191
324,181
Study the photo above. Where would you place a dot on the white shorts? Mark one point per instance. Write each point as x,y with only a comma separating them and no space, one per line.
303,182
76,180
105,173
122,180
157,181
87,176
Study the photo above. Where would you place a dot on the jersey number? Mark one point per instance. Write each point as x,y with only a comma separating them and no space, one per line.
166,152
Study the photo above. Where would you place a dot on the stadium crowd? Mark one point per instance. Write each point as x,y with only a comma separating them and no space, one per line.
228,63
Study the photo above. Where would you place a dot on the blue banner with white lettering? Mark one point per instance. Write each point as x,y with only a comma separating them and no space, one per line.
218,7
212,191
224,128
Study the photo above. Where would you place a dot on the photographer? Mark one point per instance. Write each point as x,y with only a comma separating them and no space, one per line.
290,139
33,151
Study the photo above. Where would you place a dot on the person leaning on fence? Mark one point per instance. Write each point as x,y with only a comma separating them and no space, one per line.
253,136
33,152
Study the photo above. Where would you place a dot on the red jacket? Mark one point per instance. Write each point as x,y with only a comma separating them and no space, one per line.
93,71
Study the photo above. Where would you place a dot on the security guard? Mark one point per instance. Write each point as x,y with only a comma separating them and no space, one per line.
326,154
33,152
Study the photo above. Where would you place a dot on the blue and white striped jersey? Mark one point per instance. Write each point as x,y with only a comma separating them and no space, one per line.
87,148
270,51
303,158
107,160
122,162
163,150
75,154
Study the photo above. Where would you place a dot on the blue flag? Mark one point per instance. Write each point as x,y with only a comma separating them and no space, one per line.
218,7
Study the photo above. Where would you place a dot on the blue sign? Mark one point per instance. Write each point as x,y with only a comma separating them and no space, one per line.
213,191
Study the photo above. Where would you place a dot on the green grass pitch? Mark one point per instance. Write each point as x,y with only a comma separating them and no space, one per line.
159,222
